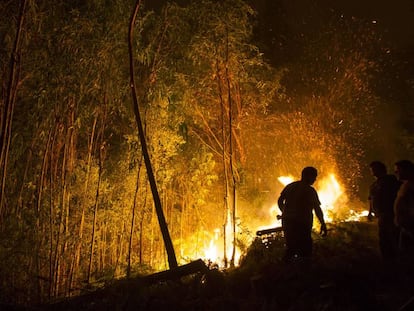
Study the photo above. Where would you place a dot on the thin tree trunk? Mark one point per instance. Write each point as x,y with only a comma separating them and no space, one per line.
39,236
134,205
77,249
61,245
23,180
70,150
41,183
141,242
7,113
231,153
52,174
157,202
224,159
152,241
101,155
119,250
95,215
54,169
102,246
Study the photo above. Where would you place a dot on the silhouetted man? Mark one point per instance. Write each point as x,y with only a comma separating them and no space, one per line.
382,194
404,203
297,202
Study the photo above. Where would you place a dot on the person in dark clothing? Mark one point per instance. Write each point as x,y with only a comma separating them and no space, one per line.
382,194
404,205
297,202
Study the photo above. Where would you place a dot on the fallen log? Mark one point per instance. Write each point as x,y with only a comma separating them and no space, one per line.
177,272
120,292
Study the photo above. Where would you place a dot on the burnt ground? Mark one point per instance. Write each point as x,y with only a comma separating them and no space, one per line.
346,274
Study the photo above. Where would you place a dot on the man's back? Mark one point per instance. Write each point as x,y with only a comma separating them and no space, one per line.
404,205
300,199
383,193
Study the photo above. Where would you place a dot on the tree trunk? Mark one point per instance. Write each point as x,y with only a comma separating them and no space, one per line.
157,202
234,182
10,98
224,158
231,153
131,233
95,215
78,246
141,225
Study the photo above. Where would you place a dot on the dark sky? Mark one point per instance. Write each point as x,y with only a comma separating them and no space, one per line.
394,17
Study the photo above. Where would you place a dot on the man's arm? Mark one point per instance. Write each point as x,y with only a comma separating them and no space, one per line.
373,191
371,210
319,214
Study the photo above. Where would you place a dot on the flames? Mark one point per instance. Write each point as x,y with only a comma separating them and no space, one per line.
334,201
215,252
329,191
212,251
334,204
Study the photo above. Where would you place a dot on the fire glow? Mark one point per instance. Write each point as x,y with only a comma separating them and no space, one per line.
219,254
329,191
331,195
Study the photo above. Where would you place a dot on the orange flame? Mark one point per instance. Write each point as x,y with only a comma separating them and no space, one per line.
331,195
215,252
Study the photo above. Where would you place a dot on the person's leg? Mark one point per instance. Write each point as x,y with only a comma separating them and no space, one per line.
292,239
306,241
388,239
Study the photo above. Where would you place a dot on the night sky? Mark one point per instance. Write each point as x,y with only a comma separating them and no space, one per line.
395,19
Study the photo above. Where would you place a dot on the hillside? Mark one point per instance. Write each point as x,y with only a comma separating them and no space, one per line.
346,274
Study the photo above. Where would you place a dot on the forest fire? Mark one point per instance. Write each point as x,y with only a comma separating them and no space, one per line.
122,153
214,252
333,200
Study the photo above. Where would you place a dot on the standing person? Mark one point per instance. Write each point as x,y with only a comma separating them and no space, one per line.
382,194
404,204
297,202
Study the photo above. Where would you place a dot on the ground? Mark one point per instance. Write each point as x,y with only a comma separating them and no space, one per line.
346,274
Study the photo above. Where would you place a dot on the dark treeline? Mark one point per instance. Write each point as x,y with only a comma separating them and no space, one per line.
222,121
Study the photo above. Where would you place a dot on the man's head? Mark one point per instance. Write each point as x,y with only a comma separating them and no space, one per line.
404,169
309,174
378,169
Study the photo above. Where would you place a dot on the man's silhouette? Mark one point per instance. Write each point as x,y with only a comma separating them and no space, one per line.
382,194
404,204
297,202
